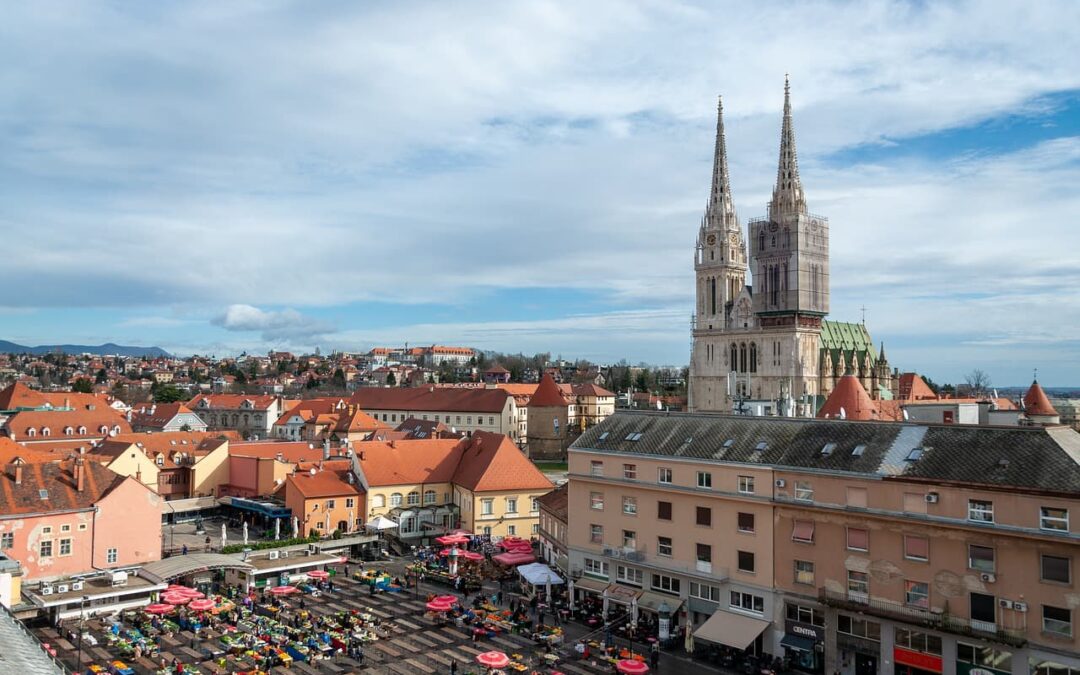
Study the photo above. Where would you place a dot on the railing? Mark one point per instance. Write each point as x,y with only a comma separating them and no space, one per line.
934,618
666,564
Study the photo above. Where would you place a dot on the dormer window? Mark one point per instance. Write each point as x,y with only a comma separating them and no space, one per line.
45,431
68,431
159,460
82,431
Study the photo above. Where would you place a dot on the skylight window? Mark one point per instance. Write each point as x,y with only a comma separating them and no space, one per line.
43,493
915,455
858,451
761,446
729,442
827,450
636,436
629,436
604,436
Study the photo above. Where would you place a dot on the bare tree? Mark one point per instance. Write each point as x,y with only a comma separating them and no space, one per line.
978,382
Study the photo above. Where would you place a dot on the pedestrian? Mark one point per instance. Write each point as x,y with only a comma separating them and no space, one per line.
183,549
453,667
499,597
654,656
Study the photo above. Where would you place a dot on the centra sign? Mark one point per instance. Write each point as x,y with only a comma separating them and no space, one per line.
806,630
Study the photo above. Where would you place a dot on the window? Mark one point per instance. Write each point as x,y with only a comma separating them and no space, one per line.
751,603
746,522
1052,568
851,625
629,506
46,530
535,505
704,553
82,527
981,558
663,546
596,567
704,479
45,549
629,539
804,491
746,485
1057,621
916,548
7,540
858,585
980,511
916,641
596,468
413,498
378,501
856,497
704,516
804,572
65,528
629,471
596,534
984,657
1051,518
917,594
596,501
511,530
858,539
746,561
802,531
395,499
487,506
663,475
663,510
511,504
429,496
666,584
535,528
65,546
111,556
704,591
629,575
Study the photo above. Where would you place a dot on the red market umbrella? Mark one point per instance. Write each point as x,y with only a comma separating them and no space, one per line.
191,593
158,608
494,659
175,599
631,667
201,604
284,590
514,558
319,574
177,588
450,539
472,555
452,599
436,606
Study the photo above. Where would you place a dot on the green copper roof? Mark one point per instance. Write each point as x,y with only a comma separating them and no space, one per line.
845,336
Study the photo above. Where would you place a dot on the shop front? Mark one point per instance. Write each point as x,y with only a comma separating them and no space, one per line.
804,645
909,662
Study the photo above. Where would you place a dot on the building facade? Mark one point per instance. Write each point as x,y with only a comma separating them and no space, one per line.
252,416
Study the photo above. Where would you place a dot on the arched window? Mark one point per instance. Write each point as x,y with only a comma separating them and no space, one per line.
82,431
395,499
115,430
761,241
734,357
712,295
742,358
413,498
45,431
244,420
378,501
753,357
787,237
429,496
103,429
31,432
68,431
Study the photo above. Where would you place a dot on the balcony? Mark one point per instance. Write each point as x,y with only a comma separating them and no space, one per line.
935,618
642,557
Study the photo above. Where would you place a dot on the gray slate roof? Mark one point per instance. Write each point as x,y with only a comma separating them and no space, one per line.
1032,458
21,652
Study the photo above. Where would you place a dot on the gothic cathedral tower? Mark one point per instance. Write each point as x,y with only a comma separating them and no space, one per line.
760,344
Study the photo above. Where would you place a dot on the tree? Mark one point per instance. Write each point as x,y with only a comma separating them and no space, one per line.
391,380
978,382
101,377
83,386
338,379
167,393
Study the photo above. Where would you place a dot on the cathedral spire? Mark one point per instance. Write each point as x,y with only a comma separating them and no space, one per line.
721,210
788,194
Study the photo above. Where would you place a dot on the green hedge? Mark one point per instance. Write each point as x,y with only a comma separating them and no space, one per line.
264,545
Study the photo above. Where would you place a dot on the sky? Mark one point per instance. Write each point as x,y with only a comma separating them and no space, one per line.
215,178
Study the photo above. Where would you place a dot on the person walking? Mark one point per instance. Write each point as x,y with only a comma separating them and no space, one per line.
453,667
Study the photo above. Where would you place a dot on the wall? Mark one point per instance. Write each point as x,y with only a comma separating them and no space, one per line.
129,520
30,531
133,461
210,472
314,511
500,521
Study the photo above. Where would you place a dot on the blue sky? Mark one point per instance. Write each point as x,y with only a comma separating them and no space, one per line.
215,178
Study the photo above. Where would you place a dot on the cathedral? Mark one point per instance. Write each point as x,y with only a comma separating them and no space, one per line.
767,349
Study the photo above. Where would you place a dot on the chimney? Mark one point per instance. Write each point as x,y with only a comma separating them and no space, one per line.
392,443
326,449
80,474
67,402
17,471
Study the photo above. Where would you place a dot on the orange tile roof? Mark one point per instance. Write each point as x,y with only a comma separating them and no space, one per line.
492,463
232,401
849,396
56,421
547,394
56,477
408,462
431,398
913,387
196,443
290,451
162,414
325,483
1036,402
309,408
18,395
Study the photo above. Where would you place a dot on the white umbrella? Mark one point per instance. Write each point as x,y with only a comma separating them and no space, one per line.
351,520
689,646
570,592
224,536
295,527
245,533
277,529
381,523
327,528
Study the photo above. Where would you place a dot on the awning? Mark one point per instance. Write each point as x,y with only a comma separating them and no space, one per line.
591,585
797,642
652,602
539,574
731,629
187,505
618,593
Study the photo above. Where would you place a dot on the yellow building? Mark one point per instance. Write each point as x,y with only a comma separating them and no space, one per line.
175,465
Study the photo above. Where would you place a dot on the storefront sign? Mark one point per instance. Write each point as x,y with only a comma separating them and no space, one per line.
805,630
664,630
917,659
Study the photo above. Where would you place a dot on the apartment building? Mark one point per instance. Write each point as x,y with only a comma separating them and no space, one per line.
252,416
467,410
848,546
553,519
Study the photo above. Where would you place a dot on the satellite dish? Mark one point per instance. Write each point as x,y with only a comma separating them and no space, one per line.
312,471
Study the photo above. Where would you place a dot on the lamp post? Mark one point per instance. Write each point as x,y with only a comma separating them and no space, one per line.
82,607
663,629
630,628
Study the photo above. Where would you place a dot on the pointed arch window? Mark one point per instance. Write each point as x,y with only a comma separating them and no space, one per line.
734,357
787,238
742,358
712,295
753,357
761,241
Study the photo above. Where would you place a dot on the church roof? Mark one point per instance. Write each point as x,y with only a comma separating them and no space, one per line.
849,400
547,394
841,335
1036,402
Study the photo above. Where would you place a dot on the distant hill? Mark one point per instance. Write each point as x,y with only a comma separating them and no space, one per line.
108,349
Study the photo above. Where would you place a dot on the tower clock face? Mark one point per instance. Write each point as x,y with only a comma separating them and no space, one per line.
734,239
711,239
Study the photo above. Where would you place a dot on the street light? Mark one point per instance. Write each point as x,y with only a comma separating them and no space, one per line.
630,628
82,606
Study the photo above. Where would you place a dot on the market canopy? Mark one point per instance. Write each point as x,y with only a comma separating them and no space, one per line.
381,523
731,629
183,565
539,574
514,558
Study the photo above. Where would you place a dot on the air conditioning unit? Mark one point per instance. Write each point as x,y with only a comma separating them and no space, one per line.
931,497
62,588
987,577
284,554
76,585
780,482
46,590
119,578
274,555
1020,606
1005,603
312,549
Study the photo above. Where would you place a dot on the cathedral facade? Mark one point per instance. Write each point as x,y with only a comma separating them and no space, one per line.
768,346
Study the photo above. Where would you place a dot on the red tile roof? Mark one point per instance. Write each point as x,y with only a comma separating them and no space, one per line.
430,398
492,463
556,502
547,394
290,451
849,396
324,483
56,421
310,408
1036,402
158,415
232,401
18,395
914,388
53,475
406,462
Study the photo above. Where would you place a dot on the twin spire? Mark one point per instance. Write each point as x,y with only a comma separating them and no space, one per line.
787,195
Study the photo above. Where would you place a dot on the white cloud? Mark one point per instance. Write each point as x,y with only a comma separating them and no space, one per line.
275,326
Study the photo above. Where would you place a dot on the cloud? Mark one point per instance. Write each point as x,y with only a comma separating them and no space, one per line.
275,326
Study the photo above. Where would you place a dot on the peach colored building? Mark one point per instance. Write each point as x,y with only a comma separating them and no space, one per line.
877,547
325,498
